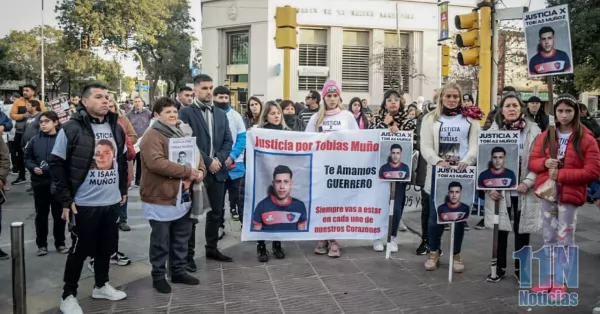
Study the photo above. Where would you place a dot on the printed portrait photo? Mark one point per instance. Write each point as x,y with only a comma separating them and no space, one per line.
498,167
282,190
182,157
104,155
395,161
549,49
453,199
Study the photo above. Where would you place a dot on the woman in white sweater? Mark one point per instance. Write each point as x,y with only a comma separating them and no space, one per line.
449,137
331,118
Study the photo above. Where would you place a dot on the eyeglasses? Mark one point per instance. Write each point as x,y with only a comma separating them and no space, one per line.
308,97
45,121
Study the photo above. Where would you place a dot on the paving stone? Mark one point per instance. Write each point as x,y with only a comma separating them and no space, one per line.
249,291
251,274
394,280
320,304
414,297
254,307
194,295
299,287
348,283
202,308
364,302
290,271
444,309
377,264
486,307
335,267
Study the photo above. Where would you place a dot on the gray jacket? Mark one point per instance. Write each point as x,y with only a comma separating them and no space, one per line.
32,128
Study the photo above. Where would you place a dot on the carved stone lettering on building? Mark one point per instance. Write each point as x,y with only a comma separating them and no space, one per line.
386,15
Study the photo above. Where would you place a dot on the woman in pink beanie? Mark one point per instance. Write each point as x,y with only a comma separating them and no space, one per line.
331,118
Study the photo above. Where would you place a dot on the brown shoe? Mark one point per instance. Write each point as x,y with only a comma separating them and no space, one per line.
457,264
433,261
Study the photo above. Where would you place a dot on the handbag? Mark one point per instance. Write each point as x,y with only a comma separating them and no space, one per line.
200,201
547,191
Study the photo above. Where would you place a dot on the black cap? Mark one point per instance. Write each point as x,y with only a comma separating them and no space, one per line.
534,99
221,90
468,97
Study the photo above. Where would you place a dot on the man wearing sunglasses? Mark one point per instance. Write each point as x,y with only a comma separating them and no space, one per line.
312,106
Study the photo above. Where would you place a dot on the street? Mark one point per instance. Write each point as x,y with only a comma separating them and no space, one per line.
361,281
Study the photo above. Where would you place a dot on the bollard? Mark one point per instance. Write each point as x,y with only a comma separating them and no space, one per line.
18,267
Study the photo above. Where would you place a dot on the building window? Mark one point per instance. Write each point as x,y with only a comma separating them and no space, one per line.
396,66
312,52
355,61
237,46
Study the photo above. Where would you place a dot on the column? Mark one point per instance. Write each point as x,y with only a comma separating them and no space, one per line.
376,72
334,50
416,50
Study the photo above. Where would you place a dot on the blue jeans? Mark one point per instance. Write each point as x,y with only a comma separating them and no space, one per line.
436,231
398,206
123,212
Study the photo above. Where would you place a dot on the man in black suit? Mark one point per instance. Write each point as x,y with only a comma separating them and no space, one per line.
213,137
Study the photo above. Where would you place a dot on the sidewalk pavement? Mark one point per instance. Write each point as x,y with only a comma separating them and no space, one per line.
361,281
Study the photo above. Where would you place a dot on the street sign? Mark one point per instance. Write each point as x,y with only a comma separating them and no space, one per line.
195,71
145,88
444,29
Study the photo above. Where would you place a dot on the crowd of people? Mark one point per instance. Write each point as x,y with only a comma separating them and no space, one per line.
82,171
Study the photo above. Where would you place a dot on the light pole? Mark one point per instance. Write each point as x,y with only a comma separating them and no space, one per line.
42,58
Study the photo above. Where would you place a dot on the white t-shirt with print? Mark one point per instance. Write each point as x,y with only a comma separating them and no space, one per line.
453,138
563,140
344,120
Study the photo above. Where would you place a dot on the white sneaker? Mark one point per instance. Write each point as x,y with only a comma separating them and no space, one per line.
378,246
70,306
402,227
109,293
597,309
393,245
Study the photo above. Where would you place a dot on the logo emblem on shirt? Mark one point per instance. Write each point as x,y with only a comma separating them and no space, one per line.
290,217
504,181
557,65
270,218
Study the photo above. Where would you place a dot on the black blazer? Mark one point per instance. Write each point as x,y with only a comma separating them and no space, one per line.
222,141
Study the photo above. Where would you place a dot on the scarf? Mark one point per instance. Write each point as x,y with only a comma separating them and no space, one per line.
516,125
170,131
273,126
451,112
333,112
202,105
359,120
290,120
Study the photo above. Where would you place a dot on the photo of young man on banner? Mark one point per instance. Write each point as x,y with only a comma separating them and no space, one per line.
395,156
498,160
454,193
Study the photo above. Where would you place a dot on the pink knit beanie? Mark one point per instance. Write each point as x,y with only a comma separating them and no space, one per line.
331,87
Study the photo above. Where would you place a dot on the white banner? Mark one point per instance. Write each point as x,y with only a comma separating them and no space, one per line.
314,186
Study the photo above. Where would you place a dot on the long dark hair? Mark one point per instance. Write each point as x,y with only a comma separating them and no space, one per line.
362,116
249,115
570,101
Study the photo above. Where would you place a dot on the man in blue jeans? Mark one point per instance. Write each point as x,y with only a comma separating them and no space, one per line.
4,168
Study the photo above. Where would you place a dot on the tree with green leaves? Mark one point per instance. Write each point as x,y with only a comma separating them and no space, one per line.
585,45
7,68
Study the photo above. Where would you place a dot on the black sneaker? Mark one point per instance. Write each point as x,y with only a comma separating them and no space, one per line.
19,181
162,286
235,216
185,279
500,274
3,256
263,254
423,248
120,259
278,250
191,266
467,227
480,225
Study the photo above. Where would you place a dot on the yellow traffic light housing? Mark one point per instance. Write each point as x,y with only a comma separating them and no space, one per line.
85,41
467,21
286,23
468,39
445,60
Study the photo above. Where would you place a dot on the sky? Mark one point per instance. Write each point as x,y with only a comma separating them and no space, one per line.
27,14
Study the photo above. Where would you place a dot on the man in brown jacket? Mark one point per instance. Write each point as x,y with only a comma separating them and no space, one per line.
18,112
4,168
165,194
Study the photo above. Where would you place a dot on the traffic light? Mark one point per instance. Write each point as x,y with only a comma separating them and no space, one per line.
469,39
95,42
445,60
285,35
85,41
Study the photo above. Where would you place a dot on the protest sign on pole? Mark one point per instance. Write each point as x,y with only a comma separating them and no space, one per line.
498,160
395,156
548,41
182,150
454,193
61,107
314,186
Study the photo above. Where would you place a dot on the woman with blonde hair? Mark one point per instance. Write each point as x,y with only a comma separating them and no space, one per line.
457,147
272,117
331,118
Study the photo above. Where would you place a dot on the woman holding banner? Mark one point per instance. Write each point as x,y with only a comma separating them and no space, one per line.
271,118
331,118
520,206
577,164
449,137
392,116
